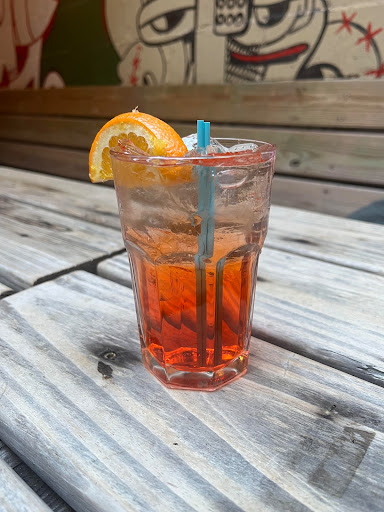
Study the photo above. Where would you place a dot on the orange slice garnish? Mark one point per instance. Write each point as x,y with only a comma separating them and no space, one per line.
146,132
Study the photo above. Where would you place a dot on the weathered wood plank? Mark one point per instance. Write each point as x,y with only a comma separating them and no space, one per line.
41,489
322,155
68,196
346,242
39,244
329,155
332,155
90,202
343,241
323,196
116,269
69,163
15,495
291,435
70,132
337,103
326,312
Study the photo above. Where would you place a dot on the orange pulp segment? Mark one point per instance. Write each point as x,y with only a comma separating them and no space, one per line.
147,132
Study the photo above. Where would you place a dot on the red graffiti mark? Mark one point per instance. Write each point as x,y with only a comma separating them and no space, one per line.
368,37
378,73
346,22
4,79
21,25
135,66
288,52
21,58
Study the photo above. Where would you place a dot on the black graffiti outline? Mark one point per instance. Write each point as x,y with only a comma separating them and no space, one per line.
186,40
175,10
319,39
256,49
289,30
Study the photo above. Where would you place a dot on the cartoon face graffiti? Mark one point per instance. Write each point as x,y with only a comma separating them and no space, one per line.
270,32
159,23
211,41
162,46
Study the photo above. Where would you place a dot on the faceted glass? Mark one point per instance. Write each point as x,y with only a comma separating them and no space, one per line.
194,228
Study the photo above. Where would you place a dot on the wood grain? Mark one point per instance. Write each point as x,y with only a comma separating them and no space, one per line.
291,435
41,244
332,155
329,313
346,242
15,495
69,163
337,103
32,187
116,269
323,196
40,488
342,241
90,202
70,132
356,157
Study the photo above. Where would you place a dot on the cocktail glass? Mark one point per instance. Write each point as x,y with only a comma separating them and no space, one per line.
193,228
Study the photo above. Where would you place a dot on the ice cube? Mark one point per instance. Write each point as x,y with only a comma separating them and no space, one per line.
192,152
215,147
190,141
244,146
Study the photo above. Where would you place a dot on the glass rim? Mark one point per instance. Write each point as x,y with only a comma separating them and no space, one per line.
264,154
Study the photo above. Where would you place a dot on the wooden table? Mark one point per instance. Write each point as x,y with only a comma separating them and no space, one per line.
303,430
44,235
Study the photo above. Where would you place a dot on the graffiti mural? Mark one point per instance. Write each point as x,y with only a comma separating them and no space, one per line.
298,40
24,24
239,41
57,43
155,42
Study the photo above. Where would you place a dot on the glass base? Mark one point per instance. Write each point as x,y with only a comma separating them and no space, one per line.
196,380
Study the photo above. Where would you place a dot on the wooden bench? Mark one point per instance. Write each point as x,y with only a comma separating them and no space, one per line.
329,134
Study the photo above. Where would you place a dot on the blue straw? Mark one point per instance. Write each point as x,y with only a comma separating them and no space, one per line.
206,204
200,134
206,194
203,135
207,134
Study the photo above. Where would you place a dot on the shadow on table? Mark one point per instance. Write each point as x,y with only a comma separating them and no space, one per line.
374,212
